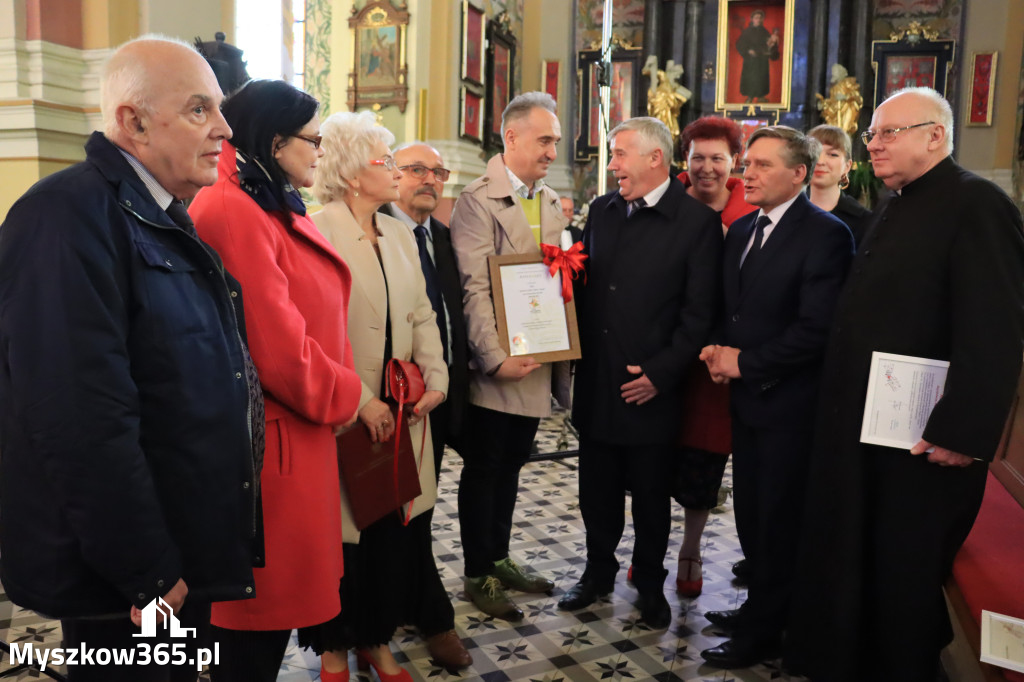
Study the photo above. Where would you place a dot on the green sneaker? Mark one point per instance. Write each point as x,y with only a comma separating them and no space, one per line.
490,597
513,576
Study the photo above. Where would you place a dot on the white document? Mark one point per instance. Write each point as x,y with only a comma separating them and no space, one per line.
902,392
534,309
1002,641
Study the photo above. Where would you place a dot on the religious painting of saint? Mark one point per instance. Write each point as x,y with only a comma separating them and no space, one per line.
982,82
378,55
500,72
501,87
472,115
550,77
755,54
472,43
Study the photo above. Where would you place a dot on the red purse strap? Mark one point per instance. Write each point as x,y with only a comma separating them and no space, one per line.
402,386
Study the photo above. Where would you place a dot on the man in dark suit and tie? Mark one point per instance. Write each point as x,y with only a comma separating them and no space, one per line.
646,309
421,185
419,190
782,270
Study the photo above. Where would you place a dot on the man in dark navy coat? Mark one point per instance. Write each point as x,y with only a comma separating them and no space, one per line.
939,275
646,309
783,267
131,418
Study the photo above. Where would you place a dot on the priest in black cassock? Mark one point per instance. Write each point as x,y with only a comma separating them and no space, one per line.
939,275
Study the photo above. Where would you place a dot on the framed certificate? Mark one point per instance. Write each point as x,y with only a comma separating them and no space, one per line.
1002,641
533,318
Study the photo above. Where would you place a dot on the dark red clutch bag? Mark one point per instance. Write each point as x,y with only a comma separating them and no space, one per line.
378,477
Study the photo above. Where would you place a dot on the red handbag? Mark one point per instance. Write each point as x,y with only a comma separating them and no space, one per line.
403,383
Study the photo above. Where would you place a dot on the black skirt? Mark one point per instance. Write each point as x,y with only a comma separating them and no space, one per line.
384,577
697,478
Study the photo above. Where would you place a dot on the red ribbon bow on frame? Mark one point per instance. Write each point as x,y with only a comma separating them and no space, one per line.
569,262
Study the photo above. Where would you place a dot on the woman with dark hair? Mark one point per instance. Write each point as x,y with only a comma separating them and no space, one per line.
832,176
295,289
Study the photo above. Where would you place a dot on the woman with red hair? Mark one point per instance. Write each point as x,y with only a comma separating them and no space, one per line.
712,146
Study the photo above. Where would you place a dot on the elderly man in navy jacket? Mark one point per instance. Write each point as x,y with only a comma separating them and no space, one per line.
652,285
131,419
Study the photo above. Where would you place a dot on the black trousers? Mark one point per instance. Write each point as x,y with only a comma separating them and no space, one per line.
494,448
249,655
433,612
606,471
769,479
439,417
116,633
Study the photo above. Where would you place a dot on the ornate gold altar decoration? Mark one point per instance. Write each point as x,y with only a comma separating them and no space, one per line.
842,108
913,32
666,96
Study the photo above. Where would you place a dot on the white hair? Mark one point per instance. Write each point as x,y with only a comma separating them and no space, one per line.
125,80
348,140
942,110
653,135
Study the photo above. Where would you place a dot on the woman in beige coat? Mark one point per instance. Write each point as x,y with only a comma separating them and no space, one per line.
387,565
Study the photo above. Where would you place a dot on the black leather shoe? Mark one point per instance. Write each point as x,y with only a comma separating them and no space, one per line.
741,569
655,611
742,653
725,620
581,595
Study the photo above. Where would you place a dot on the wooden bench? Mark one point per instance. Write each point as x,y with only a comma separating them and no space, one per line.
988,572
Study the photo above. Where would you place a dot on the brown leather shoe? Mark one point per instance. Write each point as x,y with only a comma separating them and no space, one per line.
448,651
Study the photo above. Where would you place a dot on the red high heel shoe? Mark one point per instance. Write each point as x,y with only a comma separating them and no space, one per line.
365,663
326,676
685,586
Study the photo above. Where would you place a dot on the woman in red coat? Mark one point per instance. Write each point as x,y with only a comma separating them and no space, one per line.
295,289
712,145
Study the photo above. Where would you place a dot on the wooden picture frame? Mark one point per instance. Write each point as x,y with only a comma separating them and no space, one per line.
501,64
625,81
755,55
529,301
379,66
913,60
473,47
551,77
471,115
982,82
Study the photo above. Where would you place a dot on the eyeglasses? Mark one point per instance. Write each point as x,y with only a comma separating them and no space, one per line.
315,140
420,171
388,162
889,134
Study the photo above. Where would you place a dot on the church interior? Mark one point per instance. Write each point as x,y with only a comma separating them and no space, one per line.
442,71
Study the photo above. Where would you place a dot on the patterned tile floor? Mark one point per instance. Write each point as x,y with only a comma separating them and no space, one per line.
604,642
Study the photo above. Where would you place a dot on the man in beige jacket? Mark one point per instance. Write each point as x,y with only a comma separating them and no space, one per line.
506,211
